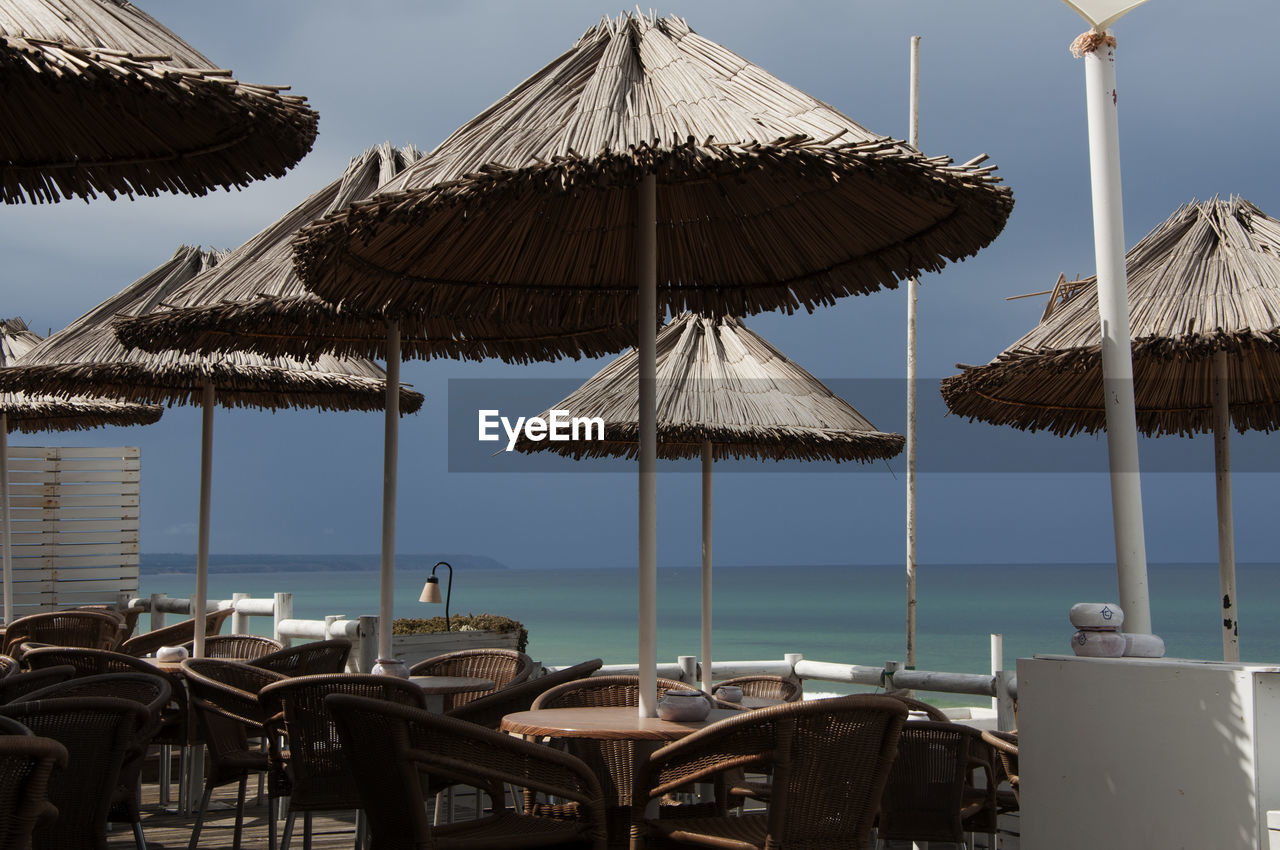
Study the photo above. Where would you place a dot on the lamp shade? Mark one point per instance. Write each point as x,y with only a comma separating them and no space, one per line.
431,591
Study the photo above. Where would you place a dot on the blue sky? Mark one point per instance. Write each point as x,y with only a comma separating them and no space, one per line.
1195,121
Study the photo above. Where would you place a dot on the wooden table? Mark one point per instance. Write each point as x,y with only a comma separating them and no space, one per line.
610,724
435,688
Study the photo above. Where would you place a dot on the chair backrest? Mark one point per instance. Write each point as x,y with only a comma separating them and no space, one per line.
390,747
318,771
176,635
780,688
932,712
148,690
924,797
15,686
8,666
99,734
87,662
308,659
25,765
1006,746
128,617
91,629
230,687
503,667
488,711
241,647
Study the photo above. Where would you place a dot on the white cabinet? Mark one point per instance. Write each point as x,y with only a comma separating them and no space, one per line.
1147,753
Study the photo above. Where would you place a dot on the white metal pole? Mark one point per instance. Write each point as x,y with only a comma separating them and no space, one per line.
8,527
913,287
707,461
1226,522
390,453
647,271
206,500
1117,360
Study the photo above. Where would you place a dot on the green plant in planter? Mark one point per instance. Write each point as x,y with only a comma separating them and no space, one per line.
462,623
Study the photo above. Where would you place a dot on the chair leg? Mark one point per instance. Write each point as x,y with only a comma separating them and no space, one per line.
306,831
271,823
138,838
235,840
288,830
199,824
166,767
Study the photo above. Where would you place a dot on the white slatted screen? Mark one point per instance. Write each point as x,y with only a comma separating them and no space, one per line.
75,525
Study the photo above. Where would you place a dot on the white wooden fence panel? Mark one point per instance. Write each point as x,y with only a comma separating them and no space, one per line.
75,525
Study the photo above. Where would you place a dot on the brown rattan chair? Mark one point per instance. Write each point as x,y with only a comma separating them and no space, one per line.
781,688
239,647
128,617
19,684
179,633
390,747
488,711
503,667
8,666
148,690
929,796
9,726
91,629
918,707
308,659
1005,745
26,763
613,762
100,734
87,662
318,774
829,758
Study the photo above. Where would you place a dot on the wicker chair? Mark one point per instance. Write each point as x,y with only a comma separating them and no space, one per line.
176,635
238,647
309,659
391,746
26,763
128,617
100,734
768,687
148,690
318,774
929,796
8,666
611,761
1005,745
9,726
91,629
917,706
488,711
19,684
87,662
830,759
503,667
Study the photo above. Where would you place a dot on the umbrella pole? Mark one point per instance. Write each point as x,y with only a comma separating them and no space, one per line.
706,565
8,527
1226,521
206,499
647,272
391,448
1117,358
913,288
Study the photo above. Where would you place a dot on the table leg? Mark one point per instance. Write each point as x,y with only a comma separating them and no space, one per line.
643,749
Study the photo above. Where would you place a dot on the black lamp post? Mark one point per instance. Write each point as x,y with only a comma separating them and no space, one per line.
431,591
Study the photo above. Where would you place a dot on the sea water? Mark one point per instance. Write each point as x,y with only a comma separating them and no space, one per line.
850,615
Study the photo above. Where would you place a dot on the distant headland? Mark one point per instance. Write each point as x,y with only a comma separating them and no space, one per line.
159,563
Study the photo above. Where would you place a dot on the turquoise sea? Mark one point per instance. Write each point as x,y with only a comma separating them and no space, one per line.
851,614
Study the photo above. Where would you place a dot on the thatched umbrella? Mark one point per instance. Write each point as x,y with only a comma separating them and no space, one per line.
723,391
31,414
100,97
1204,298
253,300
85,357
546,208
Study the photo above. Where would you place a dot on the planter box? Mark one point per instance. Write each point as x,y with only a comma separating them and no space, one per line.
414,648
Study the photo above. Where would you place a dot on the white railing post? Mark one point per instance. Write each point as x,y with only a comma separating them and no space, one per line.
367,644
1006,720
239,621
284,611
689,669
157,612
997,663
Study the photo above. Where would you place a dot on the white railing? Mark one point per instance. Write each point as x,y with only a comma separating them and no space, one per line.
999,685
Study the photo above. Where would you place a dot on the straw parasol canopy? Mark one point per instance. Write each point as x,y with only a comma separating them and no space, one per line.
31,413
87,358
766,197
723,391
720,383
253,300
1204,302
101,98
1204,281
